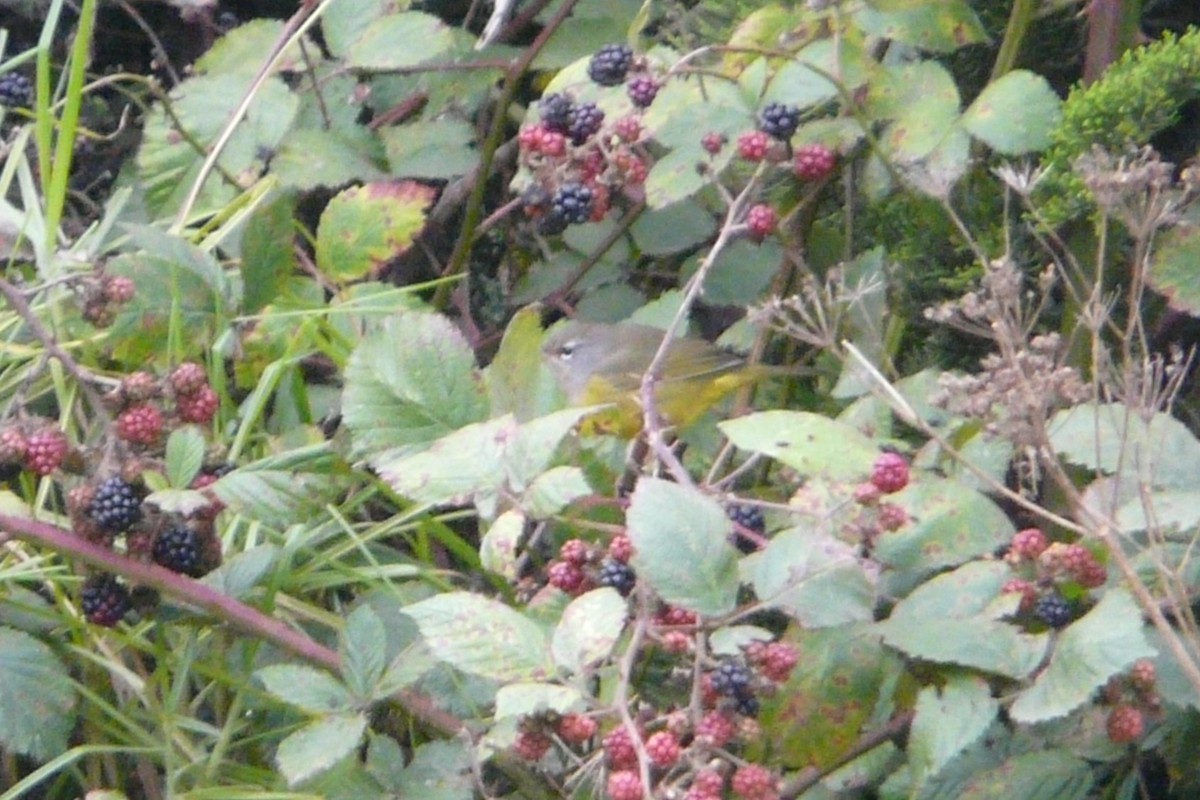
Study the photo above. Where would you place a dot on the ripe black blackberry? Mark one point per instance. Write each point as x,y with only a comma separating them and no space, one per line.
732,679
617,575
747,704
1053,610
779,121
115,507
555,111
750,517
104,600
16,90
585,121
178,549
642,90
610,64
572,202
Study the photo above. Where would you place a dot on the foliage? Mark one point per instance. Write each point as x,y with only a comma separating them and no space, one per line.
297,505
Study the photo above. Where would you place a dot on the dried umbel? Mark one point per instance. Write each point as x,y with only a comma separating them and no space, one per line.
1138,188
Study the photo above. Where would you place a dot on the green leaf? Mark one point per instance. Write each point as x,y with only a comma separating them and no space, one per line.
948,524
434,150
343,23
1099,645
802,80
304,687
1172,270
518,381
184,455
589,629
1045,775
942,26
1015,114
531,699
948,719
363,651
400,40
319,746
242,571
679,226
1110,436
281,489
809,443
439,770
554,490
482,637
681,546
410,384
742,273
310,158
922,99
240,51
1164,511
500,547
364,227
37,700
982,644
268,252
813,577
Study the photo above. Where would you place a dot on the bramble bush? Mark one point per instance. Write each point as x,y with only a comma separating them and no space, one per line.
294,507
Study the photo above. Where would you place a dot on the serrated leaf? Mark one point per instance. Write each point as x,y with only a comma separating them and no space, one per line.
554,490
669,229
802,81
923,101
363,651
1015,114
439,770
816,579
268,252
240,51
424,37
942,26
241,572
589,629
812,444
318,747
532,699
276,496
982,644
1172,270
949,718
681,546
364,227
410,384
1045,775
482,637
499,547
1109,436
304,687
1099,645
1165,511
309,158
436,149
458,468
37,700
343,23
518,381
184,455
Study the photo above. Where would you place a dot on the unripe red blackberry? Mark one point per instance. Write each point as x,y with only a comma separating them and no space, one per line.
1143,675
104,600
140,424
188,378
663,748
628,129
1028,544
532,745
754,782
1125,724
674,615
676,642
761,220
778,661
45,450
540,139
754,145
13,446
713,142
566,576
892,517
813,162
619,749
625,785
118,289
576,728
200,407
709,782
715,729
867,494
575,551
138,387
620,548
890,473
1024,588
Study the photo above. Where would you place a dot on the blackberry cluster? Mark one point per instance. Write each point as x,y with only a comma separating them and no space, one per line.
779,121
555,111
585,121
16,90
116,506
178,549
642,90
617,575
573,203
104,600
610,64
1053,610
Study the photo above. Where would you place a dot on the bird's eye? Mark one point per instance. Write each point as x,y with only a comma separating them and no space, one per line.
567,350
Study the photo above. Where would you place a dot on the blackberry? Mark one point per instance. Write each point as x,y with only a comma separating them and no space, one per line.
1053,610
104,600
617,575
572,202
610,64
178,549
747,704
116,506
751,518
642,90
779,121
585,120
555,110
16,90
732,679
